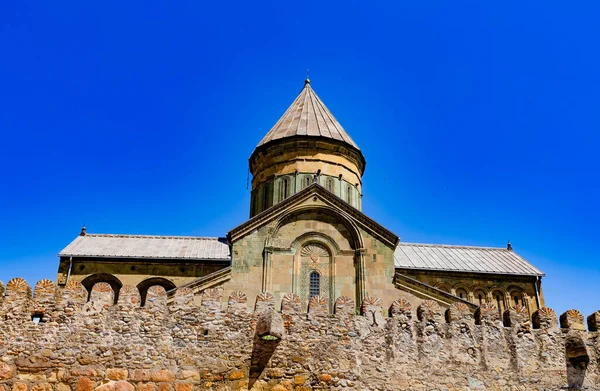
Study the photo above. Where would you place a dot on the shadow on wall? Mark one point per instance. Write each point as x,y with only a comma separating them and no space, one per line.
577,360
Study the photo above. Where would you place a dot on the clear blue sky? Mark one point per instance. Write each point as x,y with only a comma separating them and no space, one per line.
479,121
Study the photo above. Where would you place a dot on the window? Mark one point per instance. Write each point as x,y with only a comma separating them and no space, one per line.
461,293
315,285
306,182
499,301
329,185
349,194
480,299
516,300
265,190
284,186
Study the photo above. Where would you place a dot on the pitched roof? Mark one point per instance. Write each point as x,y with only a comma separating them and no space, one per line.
142,246
308,116
462,259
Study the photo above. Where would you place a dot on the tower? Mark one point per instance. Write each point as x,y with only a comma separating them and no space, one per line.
306,145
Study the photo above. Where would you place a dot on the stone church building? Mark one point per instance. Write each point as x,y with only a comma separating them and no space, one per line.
307,235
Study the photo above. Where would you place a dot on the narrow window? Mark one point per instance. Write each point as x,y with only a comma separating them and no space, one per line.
306,182
461,295
499,306
480,299
516,300
283,189
315,285
37,318
349,195
265,196
330,185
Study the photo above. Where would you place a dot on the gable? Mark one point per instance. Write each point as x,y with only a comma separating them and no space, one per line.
317,198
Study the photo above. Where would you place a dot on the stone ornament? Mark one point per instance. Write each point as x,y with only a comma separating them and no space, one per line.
486,311
344,305
291,303
236,303
544,318
314,252
211,294
515,315
317,306
237,297
371,309
428,309
401,307
264,301
459,311
18,287
572,319
129,295
44,286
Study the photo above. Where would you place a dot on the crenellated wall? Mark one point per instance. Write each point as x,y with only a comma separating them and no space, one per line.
57,340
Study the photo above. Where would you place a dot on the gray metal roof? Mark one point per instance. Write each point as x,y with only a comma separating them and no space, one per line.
462,259
142,246
308,116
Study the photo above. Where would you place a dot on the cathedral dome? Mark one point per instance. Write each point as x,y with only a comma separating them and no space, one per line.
306,145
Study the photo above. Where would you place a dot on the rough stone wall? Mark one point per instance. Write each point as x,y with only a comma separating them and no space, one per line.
251,344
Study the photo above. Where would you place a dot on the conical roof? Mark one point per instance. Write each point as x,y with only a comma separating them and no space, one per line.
308,116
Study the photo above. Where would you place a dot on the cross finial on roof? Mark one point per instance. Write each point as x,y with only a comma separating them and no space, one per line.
83,229
509,246
307,80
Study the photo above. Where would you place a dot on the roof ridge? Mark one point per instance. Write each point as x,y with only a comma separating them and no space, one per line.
452,246
96,235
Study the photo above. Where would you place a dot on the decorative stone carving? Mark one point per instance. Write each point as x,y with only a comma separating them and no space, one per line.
544,318
44,286
264,301
515,316
371,309
211,299
429,309
291,304
459,311
314,252
317,306
102,293
401,307
237,302
18,287
572,319
344,305
486,312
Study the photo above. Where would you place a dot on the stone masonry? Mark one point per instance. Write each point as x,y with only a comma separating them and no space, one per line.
58,340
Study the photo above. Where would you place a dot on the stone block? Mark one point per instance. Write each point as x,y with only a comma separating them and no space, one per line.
116,373
572,319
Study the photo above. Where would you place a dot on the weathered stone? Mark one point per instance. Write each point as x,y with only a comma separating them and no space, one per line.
7,371
180,386
140,375
116,373
162,375
236,375
123,385
107,386
146,386
165,387
19,386
41,386
84,384
62,387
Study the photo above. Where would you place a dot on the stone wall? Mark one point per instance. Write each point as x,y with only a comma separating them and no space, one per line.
56,341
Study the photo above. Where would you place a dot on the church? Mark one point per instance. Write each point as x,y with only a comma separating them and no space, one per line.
307,235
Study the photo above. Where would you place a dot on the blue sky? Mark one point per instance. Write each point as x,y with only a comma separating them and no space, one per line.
479,121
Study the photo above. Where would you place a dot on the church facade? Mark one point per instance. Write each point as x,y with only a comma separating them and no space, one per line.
307,235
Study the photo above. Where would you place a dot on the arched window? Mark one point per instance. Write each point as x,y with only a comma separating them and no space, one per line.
284,188
314,288
265,190
461,293
349,194
329,185
517,298
306,182
499,297
479,296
